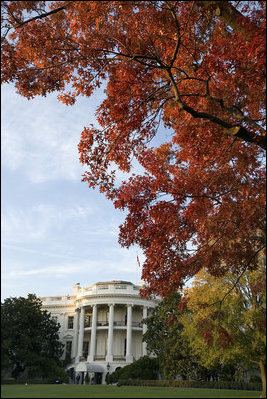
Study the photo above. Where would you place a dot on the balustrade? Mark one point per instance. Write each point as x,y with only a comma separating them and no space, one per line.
119,357
119,323
102,323
99,357
122,323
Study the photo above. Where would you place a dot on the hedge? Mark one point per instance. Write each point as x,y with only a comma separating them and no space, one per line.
248,386
24,380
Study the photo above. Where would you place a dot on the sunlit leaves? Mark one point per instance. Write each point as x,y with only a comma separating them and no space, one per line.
201,198
223,317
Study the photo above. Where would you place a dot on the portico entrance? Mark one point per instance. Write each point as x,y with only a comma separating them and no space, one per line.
92,373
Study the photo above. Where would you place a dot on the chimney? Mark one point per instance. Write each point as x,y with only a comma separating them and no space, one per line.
76,289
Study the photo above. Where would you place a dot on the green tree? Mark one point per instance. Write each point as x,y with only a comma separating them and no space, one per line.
164,339
224,320
29,338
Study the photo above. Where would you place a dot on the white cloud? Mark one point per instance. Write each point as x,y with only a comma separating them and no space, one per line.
40,136
39,222
39,252
46,152
19,226
52,271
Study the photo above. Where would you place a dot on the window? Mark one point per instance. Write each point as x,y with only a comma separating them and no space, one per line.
70,322
85,348
54,318
88,320
68,349
125,346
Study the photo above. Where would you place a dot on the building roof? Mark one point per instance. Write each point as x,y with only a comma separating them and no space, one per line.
114,282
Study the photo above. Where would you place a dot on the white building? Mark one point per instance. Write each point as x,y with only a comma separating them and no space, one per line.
101,327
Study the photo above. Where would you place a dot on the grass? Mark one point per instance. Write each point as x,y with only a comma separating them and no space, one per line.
103,391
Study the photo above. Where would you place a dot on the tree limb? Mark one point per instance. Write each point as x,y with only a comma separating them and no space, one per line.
230,15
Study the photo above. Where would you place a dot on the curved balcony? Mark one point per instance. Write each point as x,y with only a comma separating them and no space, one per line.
102,323
135,324
108,288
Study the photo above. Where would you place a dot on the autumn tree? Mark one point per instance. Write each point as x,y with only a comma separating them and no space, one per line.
29,339
225,320
166,341
195,68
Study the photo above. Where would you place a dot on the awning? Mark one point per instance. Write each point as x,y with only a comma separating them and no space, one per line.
94,368
89,367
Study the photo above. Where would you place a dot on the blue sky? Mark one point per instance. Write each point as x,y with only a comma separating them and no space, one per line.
55,230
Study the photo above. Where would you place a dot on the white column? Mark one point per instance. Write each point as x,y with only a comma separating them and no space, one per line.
81,333
109,357
91,355
144,329
129,355
75,334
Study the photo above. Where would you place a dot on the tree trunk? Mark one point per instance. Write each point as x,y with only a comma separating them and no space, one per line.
263,378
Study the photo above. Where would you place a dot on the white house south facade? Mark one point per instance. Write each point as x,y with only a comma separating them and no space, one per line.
101,327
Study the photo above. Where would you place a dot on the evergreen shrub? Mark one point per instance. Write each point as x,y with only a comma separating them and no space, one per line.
248,386
143,368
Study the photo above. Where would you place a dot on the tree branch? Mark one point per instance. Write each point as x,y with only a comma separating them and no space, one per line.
231,130
41,16
230,15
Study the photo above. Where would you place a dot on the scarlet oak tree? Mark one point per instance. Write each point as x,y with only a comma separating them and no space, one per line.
197,68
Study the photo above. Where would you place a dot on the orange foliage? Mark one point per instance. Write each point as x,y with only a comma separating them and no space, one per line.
177,62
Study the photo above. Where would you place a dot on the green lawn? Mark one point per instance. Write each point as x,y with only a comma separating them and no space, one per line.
102,391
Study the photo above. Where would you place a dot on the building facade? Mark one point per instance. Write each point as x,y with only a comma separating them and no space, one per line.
101,327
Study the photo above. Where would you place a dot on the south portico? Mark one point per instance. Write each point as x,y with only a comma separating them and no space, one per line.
104,329
127,325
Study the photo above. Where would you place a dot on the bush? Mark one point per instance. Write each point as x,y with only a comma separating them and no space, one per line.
57,373
24,380
255,378
194,384
145,368
53,370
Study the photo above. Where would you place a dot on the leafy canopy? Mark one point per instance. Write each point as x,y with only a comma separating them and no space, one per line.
167,341
195,67
225,319
29,338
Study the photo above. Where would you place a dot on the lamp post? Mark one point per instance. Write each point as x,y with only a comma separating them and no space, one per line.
107,375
